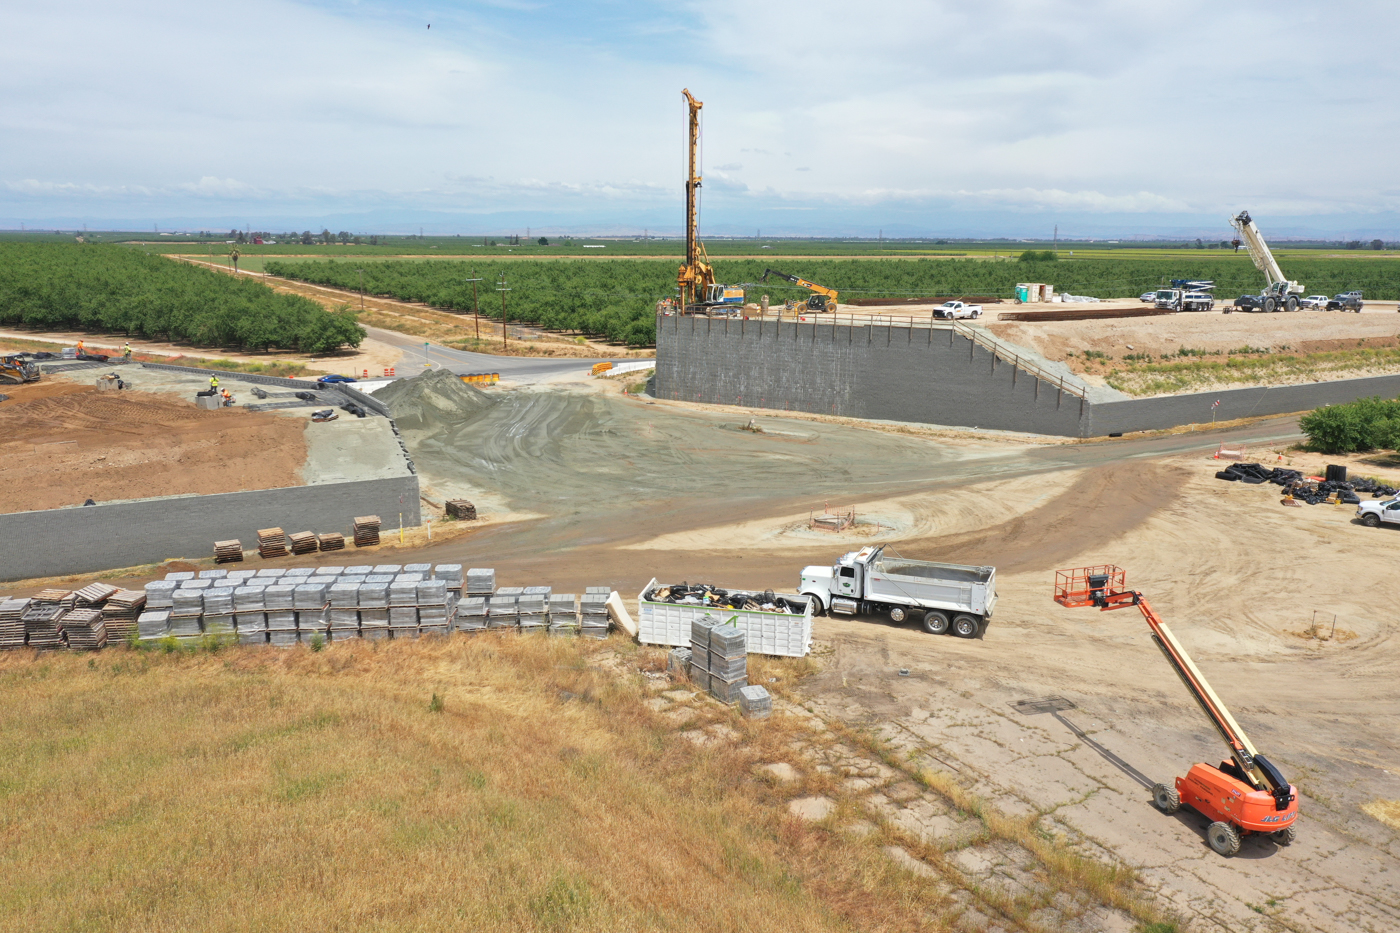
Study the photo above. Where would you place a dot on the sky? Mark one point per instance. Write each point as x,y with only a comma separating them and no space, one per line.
933,118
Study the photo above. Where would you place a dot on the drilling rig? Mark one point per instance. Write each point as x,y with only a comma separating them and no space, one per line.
696,279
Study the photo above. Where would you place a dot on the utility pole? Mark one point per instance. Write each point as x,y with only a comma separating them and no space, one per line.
476,312
362,288
1057,238
501,287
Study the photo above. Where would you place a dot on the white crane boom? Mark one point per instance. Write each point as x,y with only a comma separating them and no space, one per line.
1264,261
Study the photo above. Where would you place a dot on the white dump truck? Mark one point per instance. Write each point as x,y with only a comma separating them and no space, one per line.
876,580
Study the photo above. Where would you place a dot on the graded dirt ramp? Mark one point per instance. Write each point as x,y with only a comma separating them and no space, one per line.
62,447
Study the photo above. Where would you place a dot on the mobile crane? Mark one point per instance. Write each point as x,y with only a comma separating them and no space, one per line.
1241,796
1279,294
696,279
821,299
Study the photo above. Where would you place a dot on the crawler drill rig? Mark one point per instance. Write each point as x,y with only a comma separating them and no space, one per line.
1244,795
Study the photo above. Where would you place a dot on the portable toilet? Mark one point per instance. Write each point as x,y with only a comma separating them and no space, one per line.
1023,292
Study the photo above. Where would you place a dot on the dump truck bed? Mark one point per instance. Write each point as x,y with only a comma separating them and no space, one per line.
954,587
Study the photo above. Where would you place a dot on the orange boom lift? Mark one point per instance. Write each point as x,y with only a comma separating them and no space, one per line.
1244,795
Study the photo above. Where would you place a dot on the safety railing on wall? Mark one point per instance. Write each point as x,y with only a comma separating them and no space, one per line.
1009,354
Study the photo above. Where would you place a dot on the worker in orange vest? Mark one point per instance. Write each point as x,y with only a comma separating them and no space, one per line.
228,398
81,351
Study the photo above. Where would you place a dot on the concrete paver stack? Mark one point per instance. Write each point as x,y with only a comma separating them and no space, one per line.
593,612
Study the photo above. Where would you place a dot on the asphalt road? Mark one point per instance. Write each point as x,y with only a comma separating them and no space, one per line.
518,369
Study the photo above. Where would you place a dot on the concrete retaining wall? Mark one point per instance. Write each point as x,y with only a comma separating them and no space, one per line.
122,534
931,376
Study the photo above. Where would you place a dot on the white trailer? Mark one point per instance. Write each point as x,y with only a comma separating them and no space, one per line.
876,580
781,634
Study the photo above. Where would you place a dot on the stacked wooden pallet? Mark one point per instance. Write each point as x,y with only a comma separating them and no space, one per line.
11,622
92,595
121,612
366,530
272,542
303,542
84,629
228,552
332,541
461,509
41,621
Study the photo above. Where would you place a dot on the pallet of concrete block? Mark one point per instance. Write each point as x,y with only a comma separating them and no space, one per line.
461,510
532,607
374,608
120,612
593,612
451,574
12,622
755,702
775,624
272,542
159,593
228,552
471,614
563,614
729,662
480,581
434,607
84,630
331,541
218,610
366,530
343,612
153,624
505,609
303,542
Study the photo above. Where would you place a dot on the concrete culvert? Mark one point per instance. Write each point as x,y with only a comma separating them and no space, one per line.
433,400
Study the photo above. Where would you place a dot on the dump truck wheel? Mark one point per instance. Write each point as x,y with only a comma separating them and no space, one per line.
897,614
1285,836
1223,838
935,622
965,626
1166,798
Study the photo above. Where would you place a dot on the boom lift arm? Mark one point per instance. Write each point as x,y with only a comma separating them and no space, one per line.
823,298
1278,285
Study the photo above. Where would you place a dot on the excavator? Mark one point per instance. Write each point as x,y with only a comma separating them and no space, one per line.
822,298
696,279
1241,796
1280,294
16,370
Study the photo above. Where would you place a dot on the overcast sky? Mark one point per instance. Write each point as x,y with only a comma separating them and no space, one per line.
1000,116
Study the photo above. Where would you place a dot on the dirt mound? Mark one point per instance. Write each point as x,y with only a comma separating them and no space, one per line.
62,443
433,401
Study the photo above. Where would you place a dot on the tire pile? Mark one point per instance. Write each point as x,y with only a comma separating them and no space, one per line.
1301,488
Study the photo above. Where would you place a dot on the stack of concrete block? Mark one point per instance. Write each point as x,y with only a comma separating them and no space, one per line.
343,600
235,578
218,610
374,607
505,607
563,614
700,650
121,611
218,573
41,624
280,601
434,607
158,594
250,614
480,581
153,624
729,662
392,570
755,703
187,607
531,608
309,601
593,612
359,570
11,623
327,571
403,605
297,575
180,576
84,630
678,662
426,570
270,574
471,614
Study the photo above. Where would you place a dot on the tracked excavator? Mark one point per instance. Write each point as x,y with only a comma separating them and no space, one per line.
1241,796
821,299
699,292
16,370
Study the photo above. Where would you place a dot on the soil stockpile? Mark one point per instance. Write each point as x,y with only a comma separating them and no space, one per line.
434,401
63,443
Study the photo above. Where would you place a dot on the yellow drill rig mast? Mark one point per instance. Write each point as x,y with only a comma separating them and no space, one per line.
696,279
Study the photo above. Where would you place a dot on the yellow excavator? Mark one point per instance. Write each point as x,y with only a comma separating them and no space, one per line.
696,279
16,370
821,299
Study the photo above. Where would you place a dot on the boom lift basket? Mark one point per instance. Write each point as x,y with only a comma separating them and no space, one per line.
1088,586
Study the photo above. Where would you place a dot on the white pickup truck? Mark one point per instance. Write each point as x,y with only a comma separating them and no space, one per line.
875,581
952,310
1376,511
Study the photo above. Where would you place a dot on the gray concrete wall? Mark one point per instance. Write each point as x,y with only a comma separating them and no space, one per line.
930,376
122,534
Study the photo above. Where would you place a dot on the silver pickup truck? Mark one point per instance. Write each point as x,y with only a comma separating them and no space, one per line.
877,581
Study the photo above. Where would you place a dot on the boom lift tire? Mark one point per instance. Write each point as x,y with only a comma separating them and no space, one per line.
965,626
897,614
1166,798
1284,837
936,622
1223,838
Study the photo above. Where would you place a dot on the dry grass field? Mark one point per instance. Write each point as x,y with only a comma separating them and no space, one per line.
483,784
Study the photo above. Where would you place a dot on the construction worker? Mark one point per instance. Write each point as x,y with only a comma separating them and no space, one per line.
228,398
80,348
214,385
126,352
